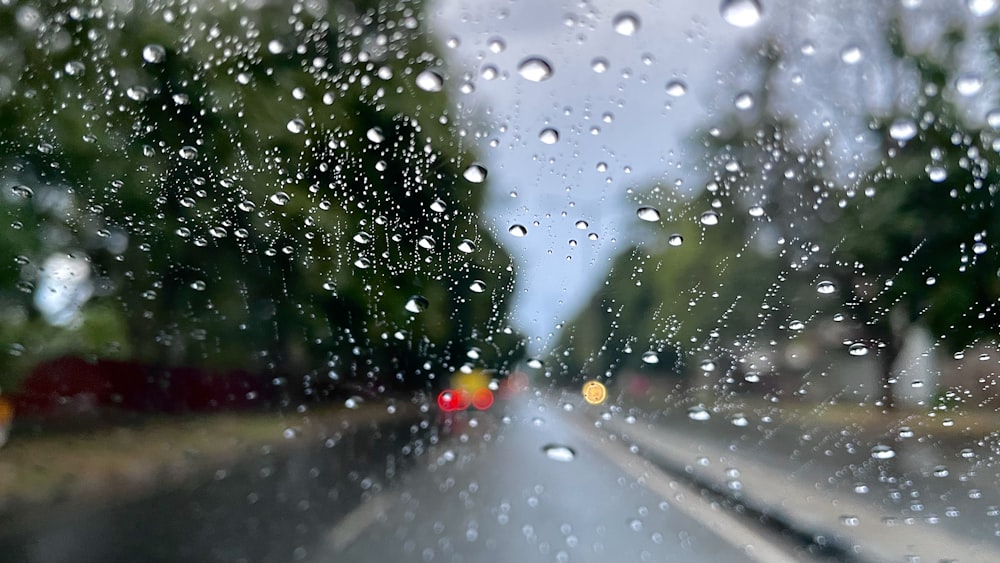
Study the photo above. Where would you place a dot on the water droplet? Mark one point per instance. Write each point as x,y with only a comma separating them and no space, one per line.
825,287
559,453
740,13
752,377
940,471
154,53
675,240
851,521
430,81
739,419
851,54
362,263
438,206
496,45
549,136
861,489
796,325
967,453
353,402
981,8
979,248
467,246
882,451
475,173
626,23
375,135
535,69
903,129
676,88
709,218
857,349
535,363
969,83
517,230
650,214
137,93
416,304
600,65
22,192
650,358
75,68
362,238
756,211
707,365
993,118
426,242
743,101
477,286
279,198
699,413
905,432
296,125
188,152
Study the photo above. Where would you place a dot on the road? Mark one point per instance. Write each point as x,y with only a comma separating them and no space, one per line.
534,485
526,481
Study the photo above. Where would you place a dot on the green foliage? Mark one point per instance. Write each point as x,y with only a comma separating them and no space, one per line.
222,170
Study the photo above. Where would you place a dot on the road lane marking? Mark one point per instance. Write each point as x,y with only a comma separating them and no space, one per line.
688,499
341,536
814,512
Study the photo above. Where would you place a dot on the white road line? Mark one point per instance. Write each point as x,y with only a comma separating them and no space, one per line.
688,499
815,511
351,526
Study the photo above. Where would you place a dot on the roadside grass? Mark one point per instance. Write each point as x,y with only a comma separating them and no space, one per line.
128,460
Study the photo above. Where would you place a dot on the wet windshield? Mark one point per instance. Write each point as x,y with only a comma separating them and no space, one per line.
446,280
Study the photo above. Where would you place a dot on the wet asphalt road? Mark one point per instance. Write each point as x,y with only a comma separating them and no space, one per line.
482,489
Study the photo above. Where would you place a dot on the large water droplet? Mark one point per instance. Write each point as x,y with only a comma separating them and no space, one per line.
467,246
475,173
981,8
600,65
699,413
709,218
825,287
969,83
626,23
430,81
279,198
535,69
851,54
743,101
650,214
882,451
559,453
517,230
296,125
154,53
857,349
676,88
549,136
650,358
477,286
675,240
426,242
416,304
741,13
22,191
903,129
375,135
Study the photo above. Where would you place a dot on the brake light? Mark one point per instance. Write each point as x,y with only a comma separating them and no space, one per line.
482,399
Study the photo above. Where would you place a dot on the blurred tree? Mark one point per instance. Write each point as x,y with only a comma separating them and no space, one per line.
276,186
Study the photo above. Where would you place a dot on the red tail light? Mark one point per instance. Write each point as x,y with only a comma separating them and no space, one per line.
482,399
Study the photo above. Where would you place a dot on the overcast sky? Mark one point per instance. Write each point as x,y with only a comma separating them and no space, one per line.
622,117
